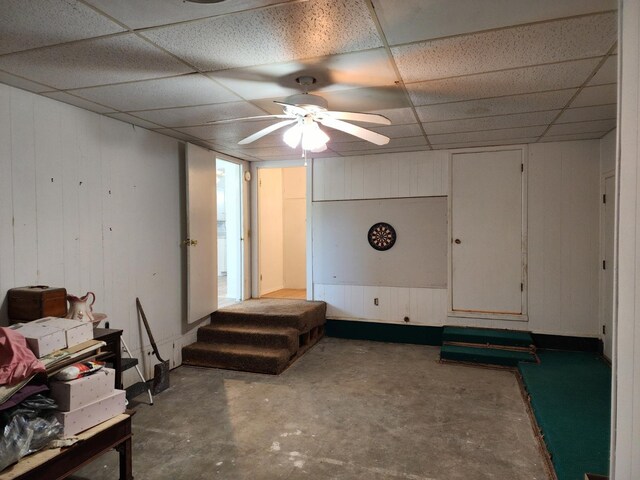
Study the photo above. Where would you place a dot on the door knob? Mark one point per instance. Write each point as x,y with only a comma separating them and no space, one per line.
194,243
458,241
190,243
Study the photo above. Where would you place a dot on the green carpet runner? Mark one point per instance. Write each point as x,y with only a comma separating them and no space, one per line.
487,346
570,393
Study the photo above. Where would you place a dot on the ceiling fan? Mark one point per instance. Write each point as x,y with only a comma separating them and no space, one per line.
304,112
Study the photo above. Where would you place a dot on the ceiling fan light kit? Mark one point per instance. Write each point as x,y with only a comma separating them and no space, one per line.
305,111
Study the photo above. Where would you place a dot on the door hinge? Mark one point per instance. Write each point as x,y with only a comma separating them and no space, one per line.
522,287
604,198
604,264
260,277
522,167
604,329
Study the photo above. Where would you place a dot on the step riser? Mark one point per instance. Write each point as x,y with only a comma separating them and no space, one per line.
289,342
239,319
480,360
225,360
486,340
509,348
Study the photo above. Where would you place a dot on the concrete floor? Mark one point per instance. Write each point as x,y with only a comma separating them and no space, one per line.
346,410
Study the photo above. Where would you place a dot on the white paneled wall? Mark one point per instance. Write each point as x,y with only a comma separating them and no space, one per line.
92,204
395,175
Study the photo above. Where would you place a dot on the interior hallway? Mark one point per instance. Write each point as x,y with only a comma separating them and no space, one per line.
347,410
292,293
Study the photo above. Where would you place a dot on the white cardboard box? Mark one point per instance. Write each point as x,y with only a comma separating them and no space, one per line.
90,415
74,394
42,339
76,331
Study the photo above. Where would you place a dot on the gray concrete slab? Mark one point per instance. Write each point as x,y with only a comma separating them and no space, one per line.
347,410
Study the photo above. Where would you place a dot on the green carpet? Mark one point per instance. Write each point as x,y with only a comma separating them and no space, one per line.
487,336
571,399
485,355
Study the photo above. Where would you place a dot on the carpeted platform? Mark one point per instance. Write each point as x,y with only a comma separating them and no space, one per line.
570,394
263,336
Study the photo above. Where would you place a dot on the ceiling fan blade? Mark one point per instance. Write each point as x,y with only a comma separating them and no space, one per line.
294,108
242,119
266,131
354,130
359,117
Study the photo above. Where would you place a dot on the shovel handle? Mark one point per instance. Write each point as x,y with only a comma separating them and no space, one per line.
146,326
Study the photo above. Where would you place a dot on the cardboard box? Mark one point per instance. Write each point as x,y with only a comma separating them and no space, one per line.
77,393
42,339
90,415
76,331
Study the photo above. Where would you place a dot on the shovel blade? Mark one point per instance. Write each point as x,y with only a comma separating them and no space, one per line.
160,377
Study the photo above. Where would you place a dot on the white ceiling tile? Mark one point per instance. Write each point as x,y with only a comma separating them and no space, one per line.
572,137
530,102
486,143
362,145
138,13
557,41
26,24
229,132
599,95
23,83
78,102
124,117
398,116
101,61
281,151
190,116
607,73
349,70
288,32
184,90
378,151
397,131
488,135
491,123
582,127
510,82
582,114
405,21
175,134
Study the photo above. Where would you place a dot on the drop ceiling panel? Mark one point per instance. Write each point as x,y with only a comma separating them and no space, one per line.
573,136
608,72
491,123
398,116
418,148
489,135
231,132
581,114
407,21
361,145
349,70
184,90
280,34
523,46
23,83
397,131
133,120
191,116
78,102
26,24
599,95
496,106
582,127
120,58
486,143
175,134
511,82
139,14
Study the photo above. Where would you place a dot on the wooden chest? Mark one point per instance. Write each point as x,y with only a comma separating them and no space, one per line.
32,303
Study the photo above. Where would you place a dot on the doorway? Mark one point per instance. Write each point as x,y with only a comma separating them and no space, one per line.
229,226
282,232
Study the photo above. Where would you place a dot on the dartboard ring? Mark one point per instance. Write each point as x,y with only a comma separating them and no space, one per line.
382,236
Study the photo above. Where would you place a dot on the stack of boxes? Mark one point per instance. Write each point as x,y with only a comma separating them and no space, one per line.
83,402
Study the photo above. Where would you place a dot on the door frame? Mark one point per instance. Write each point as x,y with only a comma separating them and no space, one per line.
255,227
524,316
601,252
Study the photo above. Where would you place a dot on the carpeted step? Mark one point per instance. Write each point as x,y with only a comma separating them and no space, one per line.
486,336
489,356
260,336
236,357
300,315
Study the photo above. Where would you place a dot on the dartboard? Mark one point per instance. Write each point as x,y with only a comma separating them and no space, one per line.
381,236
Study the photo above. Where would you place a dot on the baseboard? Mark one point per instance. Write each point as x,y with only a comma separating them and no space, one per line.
384,332
562,342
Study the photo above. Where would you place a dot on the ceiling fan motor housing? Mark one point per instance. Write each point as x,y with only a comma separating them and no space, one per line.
307,100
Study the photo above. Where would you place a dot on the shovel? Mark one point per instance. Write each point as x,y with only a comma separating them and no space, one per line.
160,370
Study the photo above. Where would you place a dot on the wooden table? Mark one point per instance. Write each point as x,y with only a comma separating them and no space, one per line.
57,463
111,337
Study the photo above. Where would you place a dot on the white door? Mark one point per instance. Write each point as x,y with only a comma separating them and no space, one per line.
487,234
607,263
271,231
201,244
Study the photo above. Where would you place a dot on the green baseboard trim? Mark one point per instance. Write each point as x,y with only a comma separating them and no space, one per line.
384,332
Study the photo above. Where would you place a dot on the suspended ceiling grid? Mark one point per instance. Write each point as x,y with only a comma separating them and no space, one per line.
448,73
